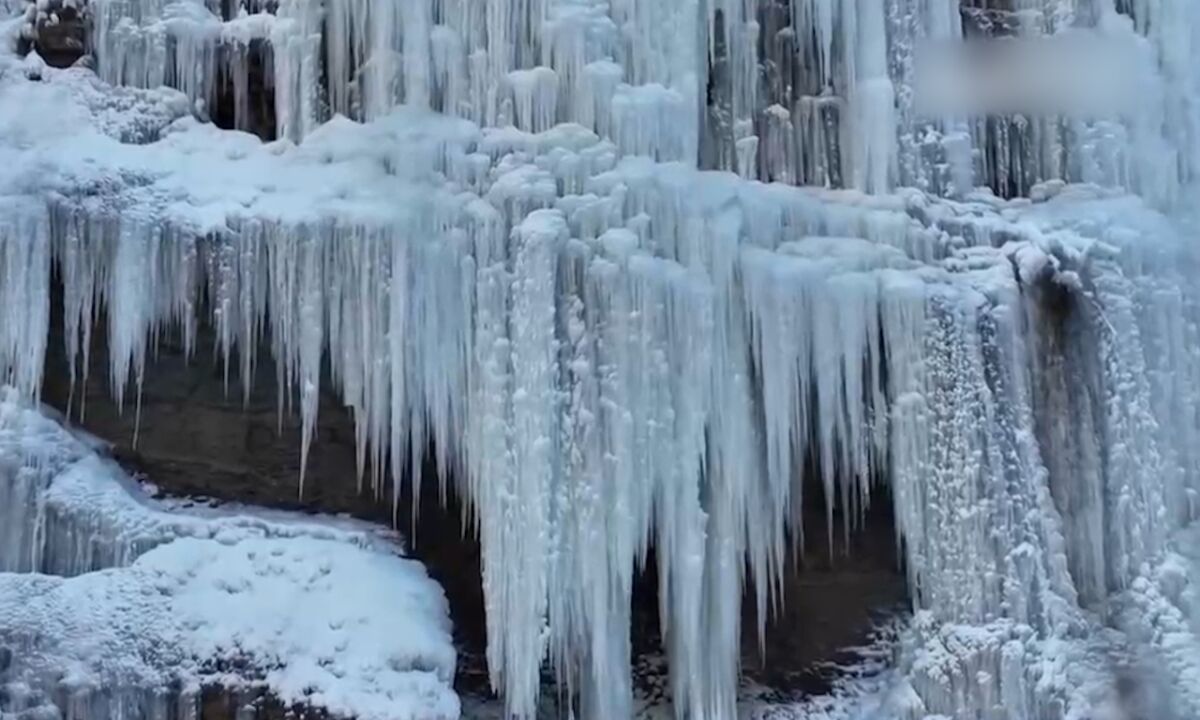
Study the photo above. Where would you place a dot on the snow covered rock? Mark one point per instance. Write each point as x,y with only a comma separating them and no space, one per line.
120,604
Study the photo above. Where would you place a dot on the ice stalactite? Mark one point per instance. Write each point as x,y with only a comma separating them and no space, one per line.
933,154
185,45
572,380
24,254
295,46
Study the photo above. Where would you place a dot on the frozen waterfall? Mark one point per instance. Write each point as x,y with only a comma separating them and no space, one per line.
634,269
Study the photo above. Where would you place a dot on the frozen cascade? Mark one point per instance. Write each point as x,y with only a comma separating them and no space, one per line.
516,260
800,91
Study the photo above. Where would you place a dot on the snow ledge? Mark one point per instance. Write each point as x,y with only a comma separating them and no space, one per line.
320,613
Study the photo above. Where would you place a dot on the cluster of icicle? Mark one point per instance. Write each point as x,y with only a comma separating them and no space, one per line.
585,365
813,92
184,45
654,362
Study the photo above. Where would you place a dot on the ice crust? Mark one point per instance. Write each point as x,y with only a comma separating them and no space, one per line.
113,605
516,261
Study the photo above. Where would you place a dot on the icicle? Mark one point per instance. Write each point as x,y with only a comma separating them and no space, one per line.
518,526
24,296
296,44
535,98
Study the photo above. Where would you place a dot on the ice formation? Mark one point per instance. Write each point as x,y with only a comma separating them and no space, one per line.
543,248
116,606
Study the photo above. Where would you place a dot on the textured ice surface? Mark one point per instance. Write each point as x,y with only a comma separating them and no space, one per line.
817,92
516,261
121,607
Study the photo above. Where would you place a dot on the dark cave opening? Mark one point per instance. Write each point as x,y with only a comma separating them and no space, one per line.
834,597
832,605
245,101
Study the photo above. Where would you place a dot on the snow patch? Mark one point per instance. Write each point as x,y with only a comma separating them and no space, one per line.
321,614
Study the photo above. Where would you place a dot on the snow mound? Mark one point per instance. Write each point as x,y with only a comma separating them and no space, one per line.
321,614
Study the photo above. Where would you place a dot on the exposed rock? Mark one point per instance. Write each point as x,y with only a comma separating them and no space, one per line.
58,34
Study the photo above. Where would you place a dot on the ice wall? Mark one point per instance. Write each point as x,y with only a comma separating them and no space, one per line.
813,92
609,350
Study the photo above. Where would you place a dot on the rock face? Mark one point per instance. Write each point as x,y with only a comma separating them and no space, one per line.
62,43
59,34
